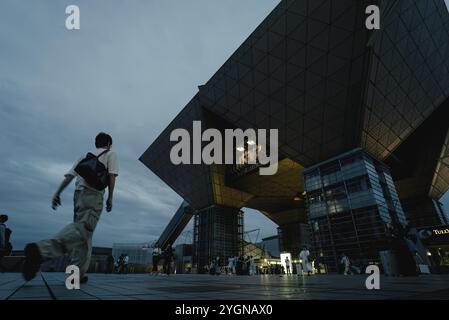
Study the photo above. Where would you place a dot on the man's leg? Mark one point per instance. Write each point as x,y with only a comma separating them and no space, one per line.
69,238
66,240
81,255
87,206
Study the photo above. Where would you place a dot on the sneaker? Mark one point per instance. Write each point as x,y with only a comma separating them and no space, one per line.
84,279
33,261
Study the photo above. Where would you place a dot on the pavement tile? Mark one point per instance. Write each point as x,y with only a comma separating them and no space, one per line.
205,287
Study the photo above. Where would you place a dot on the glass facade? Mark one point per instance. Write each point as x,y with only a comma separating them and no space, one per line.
351,200
293,237
138,253
218,232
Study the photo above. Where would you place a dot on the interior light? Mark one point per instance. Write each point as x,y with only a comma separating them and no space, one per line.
241,149
251,142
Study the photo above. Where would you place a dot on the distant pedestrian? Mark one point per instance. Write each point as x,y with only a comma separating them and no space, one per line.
125,263
5,244
217,266
247,265
168,255
304,259
155,258
252,266
346,264
230,267
234,265
239,265
120,263
5,234
287,266
94,172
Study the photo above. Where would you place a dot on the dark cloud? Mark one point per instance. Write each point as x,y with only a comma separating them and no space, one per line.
128,71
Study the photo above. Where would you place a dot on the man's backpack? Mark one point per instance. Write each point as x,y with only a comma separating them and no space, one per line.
93,171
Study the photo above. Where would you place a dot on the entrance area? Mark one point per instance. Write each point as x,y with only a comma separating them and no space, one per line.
436,240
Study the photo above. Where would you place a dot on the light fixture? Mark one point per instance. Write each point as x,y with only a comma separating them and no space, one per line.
251,142
297,197
241,149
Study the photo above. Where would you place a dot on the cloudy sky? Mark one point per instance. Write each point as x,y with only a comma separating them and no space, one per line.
129,70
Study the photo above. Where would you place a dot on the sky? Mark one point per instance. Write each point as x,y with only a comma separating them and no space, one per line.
128,71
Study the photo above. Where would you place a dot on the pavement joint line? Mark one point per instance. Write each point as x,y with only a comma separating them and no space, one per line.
15,291
48,288
54,297
91,295
5,283
101,288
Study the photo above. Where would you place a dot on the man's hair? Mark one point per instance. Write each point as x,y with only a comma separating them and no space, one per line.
102,140
3,218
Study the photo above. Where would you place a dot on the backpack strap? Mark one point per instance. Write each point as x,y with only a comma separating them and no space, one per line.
102,153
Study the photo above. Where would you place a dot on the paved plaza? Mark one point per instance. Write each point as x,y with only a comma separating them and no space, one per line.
51,286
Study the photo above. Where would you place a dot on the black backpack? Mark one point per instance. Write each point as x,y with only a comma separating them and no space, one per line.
93,171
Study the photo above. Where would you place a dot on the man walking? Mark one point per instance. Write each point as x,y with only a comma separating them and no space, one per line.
76,238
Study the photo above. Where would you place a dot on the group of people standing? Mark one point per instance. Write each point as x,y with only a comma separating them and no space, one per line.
238,265
304,266
122,263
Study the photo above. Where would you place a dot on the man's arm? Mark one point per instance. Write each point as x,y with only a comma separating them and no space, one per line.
56,201
111,192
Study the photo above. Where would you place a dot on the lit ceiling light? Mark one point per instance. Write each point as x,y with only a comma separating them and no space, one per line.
251,142
241,149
